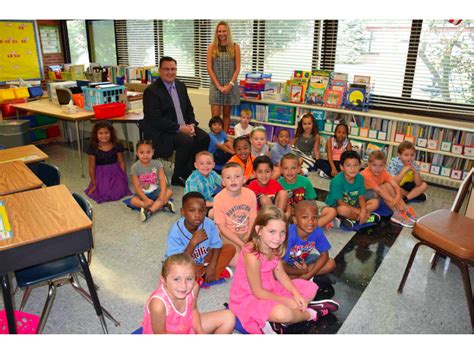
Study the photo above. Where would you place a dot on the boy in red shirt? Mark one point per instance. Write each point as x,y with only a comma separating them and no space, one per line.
268,190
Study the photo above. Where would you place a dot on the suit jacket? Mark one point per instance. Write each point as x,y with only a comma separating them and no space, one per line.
160,123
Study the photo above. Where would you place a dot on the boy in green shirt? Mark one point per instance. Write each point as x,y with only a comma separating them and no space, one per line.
347,193
300,188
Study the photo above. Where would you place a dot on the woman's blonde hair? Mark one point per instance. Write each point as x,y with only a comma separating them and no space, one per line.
176,259
230,43
265,215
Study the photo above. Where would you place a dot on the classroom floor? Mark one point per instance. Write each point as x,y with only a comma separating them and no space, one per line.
127,260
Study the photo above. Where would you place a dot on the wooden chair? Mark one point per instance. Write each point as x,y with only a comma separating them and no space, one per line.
450,233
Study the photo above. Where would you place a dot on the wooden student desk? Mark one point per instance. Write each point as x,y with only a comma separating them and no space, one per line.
16,177
45,107
47,224
27,153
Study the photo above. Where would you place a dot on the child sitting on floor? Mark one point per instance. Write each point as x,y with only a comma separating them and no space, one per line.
335,146
204,179
196,235
243,128
172,307
262,295
307,250
377,178
406,173
268,190
235,207
347,193
300,188
243,157
220,145
149,180
106,165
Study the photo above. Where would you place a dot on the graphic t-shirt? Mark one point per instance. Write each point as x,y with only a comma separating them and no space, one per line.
301,189
148,176
340,189
308,250
235,212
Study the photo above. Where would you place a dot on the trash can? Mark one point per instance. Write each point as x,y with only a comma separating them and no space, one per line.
14,133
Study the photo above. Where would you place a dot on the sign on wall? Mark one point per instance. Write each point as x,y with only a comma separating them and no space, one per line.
50,42
19,51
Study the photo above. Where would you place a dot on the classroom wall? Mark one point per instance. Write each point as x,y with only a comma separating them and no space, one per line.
51,58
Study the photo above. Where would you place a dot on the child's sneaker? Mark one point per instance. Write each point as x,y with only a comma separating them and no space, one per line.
145,214
374,218
411,214
347,223
402,219
227,273
272,328
323,175
336,222
304,171
329,226
330,305
170,207
420,198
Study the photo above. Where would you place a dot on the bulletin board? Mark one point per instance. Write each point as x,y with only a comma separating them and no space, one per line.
19,51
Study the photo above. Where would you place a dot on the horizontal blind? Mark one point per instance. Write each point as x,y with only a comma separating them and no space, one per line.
178,42
135,42
377,48
288,46
444,69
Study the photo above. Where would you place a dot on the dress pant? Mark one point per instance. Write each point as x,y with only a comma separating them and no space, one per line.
186,148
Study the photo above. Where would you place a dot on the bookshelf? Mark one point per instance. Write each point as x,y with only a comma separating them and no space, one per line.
435,138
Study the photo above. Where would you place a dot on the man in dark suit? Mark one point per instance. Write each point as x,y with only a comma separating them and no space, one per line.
169,121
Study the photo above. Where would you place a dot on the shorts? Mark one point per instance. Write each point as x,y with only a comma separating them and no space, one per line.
369,195
408,186
151,195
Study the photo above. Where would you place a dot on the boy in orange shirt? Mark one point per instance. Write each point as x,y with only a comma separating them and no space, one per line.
235,208
378,179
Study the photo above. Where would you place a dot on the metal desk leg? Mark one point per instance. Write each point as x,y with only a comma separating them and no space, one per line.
92,291
125,132
79,147
7,300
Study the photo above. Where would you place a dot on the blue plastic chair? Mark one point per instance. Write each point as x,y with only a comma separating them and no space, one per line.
48,174
54,274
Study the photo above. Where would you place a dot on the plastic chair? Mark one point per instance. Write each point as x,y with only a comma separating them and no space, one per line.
56,273
48,174
449,232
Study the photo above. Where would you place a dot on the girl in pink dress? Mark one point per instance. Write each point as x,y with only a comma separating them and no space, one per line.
172,307
261,293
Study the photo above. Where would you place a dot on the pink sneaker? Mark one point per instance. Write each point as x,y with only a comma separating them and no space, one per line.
330,305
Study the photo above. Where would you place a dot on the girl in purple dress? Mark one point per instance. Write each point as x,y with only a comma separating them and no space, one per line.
106,165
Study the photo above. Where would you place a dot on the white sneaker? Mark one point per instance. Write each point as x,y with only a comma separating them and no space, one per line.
170,207
304,171
323,175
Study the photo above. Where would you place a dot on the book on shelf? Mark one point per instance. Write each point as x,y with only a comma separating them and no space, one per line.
301,74
318,83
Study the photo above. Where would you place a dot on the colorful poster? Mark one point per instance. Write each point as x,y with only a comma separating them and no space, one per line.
19,51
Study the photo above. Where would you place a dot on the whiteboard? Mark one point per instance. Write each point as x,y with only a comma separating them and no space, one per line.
19,51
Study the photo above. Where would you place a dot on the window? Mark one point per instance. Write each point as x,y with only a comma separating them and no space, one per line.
77,37
178,42
444,67
288,47
377,48
136,42
102,36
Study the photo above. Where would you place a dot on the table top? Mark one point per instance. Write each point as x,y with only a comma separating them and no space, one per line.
130,117
15,177
42,214
46,107
27,153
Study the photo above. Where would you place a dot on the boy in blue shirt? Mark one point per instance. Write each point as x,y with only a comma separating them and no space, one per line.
220,145
198,236
307,252
204,179
348,195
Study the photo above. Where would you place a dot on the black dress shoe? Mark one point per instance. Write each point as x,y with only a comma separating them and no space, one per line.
178,181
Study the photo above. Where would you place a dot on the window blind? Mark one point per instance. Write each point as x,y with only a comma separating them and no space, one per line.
135,42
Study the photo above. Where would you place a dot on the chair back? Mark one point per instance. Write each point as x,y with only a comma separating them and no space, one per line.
48,174
465,191
85,205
